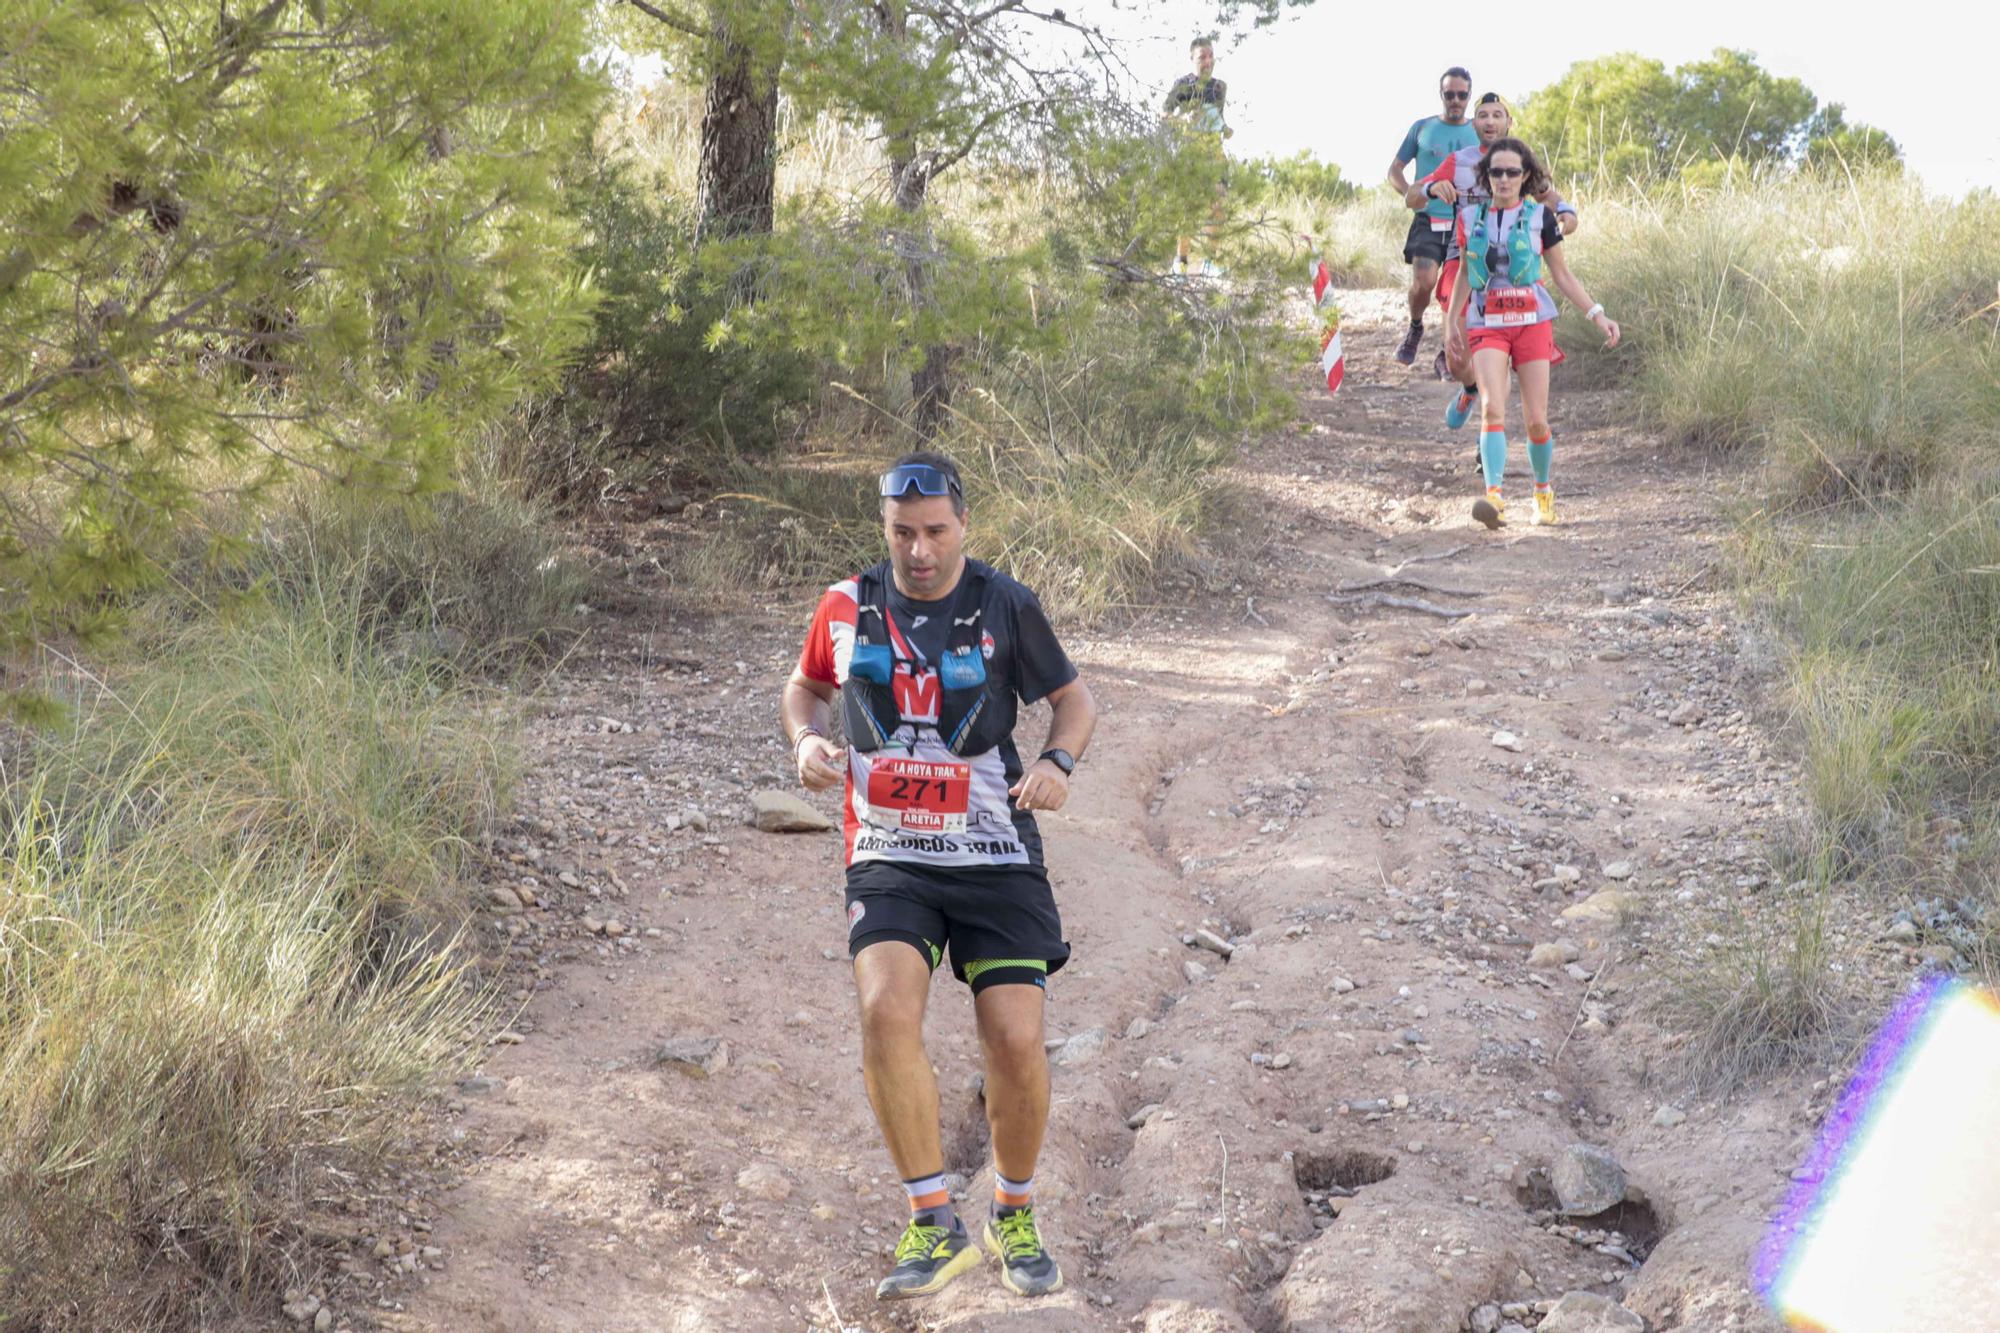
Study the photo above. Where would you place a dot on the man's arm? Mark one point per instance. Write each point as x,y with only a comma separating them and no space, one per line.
1044,786
1446,175
806,709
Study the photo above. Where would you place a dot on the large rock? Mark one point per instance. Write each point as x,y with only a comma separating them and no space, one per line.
782,812
1587,1312
762,1180
698,1056
1604,905
1587,1180
1082,1048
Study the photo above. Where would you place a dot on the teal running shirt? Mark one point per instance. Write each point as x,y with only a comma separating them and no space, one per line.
1429,142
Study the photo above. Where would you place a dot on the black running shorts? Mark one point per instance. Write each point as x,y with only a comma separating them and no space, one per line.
1423,243
982,914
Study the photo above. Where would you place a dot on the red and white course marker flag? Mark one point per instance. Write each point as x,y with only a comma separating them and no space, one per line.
1332,361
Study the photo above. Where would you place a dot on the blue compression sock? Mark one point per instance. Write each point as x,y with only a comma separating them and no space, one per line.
1493,455
1541,457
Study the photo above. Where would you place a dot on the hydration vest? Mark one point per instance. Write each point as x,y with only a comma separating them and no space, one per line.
1524,247
889,687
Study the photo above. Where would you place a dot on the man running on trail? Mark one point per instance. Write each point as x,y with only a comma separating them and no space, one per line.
1429,142
1455,182
930,653
1196,101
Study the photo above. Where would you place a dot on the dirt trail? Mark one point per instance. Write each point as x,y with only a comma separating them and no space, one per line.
1318,782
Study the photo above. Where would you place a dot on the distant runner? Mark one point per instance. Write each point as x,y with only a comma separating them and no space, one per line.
1429,142
1503,314
1196,101
930,653
1455,182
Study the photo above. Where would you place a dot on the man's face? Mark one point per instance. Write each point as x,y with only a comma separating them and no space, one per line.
1454,93
926,543
1491,122
1204,61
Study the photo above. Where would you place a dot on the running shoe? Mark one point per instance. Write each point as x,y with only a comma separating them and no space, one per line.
1459,410
1490,509
927,1257
1407,353
1545,507
1026,1267
1180,267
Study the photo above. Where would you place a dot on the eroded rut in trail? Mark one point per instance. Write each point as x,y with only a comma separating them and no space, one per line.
1330,1111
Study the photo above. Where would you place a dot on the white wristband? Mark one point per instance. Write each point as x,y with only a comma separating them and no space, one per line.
1594,311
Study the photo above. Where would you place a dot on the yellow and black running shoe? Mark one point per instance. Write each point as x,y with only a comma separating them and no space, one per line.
927,1257
1026,1267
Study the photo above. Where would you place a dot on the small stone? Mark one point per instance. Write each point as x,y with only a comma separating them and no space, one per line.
1214,943
1478,685
1400,1101
478,1085
1616,594
762,1180
1507,740
1194,972
614,928
1903,932
507,1037
383,1248
782,812
1138,1028
696,820
696,1056
323,1320
569,880
1341,985
1486,1319
1618,870
1083,1047
503,899
1282,1060
593,925
1686,714
825,1212
301,1310
1568,874
1587,1180
1587,1312
1138,1119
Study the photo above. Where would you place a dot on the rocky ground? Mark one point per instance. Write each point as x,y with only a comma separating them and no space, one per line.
1390,825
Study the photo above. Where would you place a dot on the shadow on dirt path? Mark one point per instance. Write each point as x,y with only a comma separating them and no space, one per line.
1333,1128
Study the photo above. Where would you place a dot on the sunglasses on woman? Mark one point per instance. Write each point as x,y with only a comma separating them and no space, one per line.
1506,173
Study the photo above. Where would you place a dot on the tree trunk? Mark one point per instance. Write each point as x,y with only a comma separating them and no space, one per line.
930,382
736,181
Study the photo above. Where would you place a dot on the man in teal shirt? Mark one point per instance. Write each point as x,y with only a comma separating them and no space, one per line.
1429,142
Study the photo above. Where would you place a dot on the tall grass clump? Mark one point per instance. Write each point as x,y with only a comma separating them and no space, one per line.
1832,322
229,899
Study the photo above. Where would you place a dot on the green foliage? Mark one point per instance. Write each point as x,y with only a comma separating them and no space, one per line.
1625,118
228,885
1302,174
310,236
665,367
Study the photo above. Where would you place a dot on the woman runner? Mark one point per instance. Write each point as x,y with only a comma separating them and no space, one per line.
1501,311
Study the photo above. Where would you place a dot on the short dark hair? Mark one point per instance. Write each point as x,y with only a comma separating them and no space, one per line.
1534,176
1200,42
932,458
1455,72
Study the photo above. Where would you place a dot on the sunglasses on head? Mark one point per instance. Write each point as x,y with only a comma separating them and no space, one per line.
919,477
1451,96
1506,172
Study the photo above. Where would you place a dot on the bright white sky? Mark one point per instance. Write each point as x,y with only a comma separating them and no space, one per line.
1346,80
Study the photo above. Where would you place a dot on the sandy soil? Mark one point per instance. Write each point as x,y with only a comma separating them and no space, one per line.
1351,1107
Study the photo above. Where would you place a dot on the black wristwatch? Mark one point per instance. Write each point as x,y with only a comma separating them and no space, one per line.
1062,759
